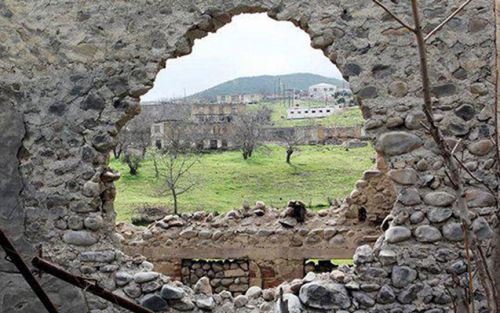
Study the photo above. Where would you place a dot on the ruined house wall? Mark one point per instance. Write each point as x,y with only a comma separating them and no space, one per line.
274,244
73,72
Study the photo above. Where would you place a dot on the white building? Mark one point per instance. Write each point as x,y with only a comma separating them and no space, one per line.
301,113
322,91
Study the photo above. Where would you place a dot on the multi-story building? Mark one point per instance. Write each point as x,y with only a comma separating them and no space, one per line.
322,91
208,126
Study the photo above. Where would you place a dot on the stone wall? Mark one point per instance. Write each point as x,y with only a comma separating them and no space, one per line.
72,75
224,275
311,134
274,243
372,198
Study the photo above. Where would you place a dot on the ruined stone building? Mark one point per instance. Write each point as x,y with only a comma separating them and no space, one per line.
72,74
211,126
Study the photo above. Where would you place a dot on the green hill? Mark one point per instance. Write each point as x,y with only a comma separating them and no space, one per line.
266,84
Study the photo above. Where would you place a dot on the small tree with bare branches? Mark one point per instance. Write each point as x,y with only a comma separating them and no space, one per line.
292,137
177,159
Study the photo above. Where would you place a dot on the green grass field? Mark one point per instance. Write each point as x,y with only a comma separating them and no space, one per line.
225,180
347,117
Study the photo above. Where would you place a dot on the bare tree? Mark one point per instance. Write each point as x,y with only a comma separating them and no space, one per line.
453,165
154,154
177,159
133,158
292,137
175,172
248,132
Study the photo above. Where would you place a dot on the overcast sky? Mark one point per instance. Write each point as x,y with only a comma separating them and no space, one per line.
251,45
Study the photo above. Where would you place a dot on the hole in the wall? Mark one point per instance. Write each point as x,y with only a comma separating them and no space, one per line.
327,104
319,266
324,265
213,114
361,214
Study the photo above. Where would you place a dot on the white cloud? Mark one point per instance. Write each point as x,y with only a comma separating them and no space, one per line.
252,44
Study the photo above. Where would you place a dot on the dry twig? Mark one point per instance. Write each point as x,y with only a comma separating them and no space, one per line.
452,15
470,304
400,21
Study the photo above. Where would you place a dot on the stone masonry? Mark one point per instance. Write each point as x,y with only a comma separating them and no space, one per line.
73,72
230,275
274,244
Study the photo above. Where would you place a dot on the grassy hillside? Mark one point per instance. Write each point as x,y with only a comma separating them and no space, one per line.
347,117
226,180
267,84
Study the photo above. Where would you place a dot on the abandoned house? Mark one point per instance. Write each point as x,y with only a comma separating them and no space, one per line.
208,126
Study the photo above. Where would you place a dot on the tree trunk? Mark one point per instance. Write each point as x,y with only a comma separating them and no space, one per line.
117,152
174,195
157,171
247,152
289,153
133,170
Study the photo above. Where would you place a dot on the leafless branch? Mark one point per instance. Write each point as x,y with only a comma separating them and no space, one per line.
425,126
456,146
452,15
400,21
455,309
186,189
185,166
451,179
469,266
486,279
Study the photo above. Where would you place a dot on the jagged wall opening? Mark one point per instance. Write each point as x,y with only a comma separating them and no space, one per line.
299,179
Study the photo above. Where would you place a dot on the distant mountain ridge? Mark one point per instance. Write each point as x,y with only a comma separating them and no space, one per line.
267,84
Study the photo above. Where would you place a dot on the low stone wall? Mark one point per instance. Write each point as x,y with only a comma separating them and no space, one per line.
311,134
270,242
